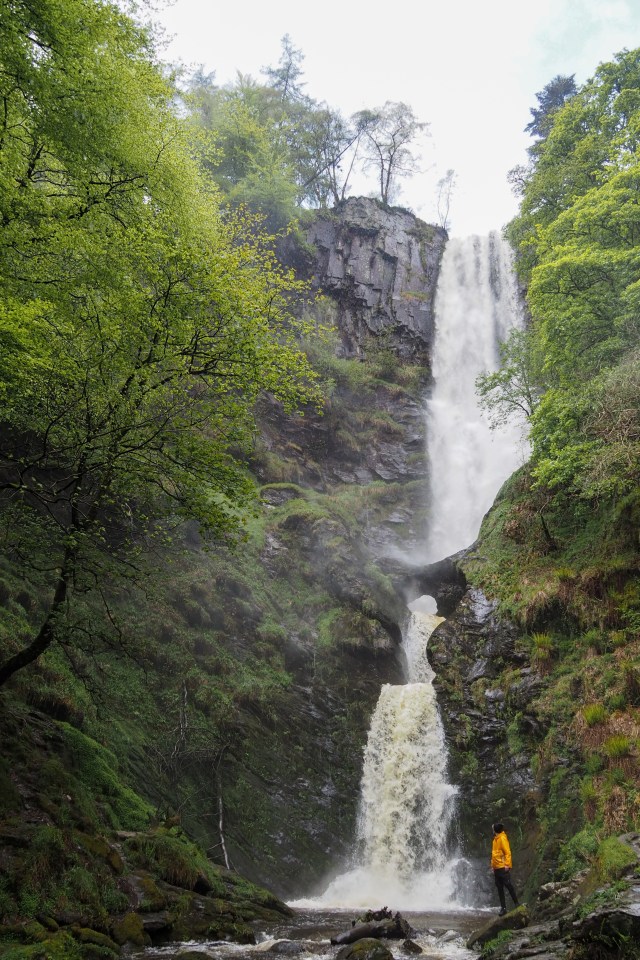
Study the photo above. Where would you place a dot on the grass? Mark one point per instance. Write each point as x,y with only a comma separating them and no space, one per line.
594,713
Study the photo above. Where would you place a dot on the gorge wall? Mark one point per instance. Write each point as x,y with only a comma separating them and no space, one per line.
244,712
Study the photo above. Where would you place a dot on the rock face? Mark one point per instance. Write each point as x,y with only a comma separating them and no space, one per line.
468,652
381,266
347,496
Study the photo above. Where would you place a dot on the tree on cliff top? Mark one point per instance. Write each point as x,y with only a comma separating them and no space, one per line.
137,322
389,133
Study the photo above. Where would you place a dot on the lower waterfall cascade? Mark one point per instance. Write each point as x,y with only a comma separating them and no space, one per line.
405,853
406,803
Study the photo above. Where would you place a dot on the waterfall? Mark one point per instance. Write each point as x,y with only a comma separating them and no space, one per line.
403,855
406,802
476,307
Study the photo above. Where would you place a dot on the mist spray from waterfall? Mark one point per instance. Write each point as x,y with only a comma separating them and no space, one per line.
476,308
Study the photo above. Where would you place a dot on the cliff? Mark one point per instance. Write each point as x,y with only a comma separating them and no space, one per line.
242,707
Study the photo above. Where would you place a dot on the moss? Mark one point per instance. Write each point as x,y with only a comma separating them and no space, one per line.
98,846
612,860
97,767
129,929
60,946
496,947
87,935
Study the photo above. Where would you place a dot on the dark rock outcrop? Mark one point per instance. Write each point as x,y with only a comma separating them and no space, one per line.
469,652
381,266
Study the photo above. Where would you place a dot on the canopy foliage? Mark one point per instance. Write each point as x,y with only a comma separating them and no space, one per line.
274,148
139,320
577,238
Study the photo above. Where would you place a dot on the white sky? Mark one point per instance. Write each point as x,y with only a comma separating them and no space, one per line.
471,68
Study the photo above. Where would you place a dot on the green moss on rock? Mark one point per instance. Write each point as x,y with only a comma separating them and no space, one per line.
129,929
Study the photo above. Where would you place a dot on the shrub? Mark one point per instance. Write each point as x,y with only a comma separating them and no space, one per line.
589,796
617,701
542,650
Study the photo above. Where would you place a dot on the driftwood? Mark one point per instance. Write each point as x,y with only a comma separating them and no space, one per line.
389,928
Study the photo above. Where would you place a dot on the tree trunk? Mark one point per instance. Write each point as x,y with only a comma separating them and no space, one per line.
45,635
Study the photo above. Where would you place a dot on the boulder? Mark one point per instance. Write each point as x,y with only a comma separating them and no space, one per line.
410,946
368,948
514,920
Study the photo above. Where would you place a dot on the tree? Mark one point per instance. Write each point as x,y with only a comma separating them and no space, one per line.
389,132
286,77
577,238
514,389
553,96
138,322
446,186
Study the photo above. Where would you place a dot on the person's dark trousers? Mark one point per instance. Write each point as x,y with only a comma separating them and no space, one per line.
502,877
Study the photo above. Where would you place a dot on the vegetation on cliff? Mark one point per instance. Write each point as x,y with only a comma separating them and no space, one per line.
561,547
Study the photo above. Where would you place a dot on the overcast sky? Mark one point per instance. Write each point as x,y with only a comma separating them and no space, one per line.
470,68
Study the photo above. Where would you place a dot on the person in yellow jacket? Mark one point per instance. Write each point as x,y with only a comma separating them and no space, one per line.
501,866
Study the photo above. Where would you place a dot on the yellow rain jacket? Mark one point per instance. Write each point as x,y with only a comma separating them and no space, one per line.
500,852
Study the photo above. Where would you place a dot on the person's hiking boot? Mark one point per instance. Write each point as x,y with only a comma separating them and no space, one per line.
502,912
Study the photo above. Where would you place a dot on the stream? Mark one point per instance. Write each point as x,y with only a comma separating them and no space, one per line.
308,933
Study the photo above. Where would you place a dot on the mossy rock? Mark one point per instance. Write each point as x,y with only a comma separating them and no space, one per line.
516,919
130,929
31,932
152,898
366,949
59,946
34,932
87,935
203,917
100,847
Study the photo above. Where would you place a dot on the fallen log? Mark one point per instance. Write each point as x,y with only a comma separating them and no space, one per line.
396,928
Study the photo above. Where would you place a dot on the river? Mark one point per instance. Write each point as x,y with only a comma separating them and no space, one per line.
308,933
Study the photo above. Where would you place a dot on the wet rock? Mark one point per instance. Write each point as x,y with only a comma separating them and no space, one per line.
559,898
469,652
194,955
287,948
514,920
366,949
381,266
410,946
448,937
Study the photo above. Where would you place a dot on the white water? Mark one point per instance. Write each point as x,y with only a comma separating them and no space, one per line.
476,307
406,802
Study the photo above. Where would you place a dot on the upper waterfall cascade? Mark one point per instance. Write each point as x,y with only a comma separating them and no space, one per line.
476,308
